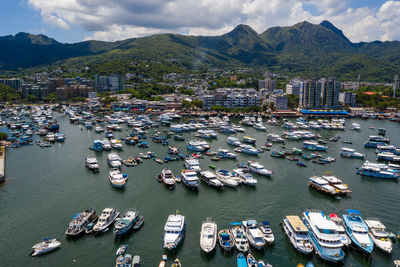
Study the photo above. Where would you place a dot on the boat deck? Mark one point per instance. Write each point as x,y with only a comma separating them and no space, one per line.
296,223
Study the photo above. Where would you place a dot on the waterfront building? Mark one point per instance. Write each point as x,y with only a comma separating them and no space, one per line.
113,82
280,101
231,98
310,96
348,99
295,87
13,83
75,90
330,89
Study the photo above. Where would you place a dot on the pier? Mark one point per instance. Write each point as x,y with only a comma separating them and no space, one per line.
2,164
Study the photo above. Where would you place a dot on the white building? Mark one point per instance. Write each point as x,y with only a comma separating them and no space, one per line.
280,101
231,98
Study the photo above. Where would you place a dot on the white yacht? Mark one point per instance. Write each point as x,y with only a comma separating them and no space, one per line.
239,237
248,149
116,144
324,236
208,236
190,179
211,179
192,164
227,178
106,144
106,218
206,134
297,233
117,179
378,234
254,235
340,228
47,245
91,163
265,228
259,126
114,160
174,231
259,169
246,176
234,141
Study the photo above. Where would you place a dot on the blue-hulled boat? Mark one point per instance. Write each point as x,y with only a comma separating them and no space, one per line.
357,230
241,260
311,145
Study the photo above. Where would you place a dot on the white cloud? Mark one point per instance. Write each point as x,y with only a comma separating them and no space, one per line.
120,19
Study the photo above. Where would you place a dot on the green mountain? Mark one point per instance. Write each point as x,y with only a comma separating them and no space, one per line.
303,49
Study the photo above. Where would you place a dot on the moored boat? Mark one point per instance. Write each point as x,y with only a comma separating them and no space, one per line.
124,225
174,231
117,179
297,233
379,235
106,218
357,230
80,222
239,237
225,239
47,245
208,235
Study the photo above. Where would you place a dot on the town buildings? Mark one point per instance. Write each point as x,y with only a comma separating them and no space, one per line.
231,98
348,99
110,83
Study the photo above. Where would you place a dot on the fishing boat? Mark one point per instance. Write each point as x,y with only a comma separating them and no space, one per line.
174,231
80,222
139,222
124,225
190,179
233,141
239,237
355,127
195,146
323,235
379,235
248,140
121,250
266,230
46,246
225,153
176,263
337,184
114,160
311,145
254,234
277,154
274,138
248,149
192,164
297,233
91,163
351,153
257,168
225,239
251,261
129,162
322,185
126,260
106,218
179,138
241,260
106,144
357,230
346,241
211,179
168,177
208,235
117,179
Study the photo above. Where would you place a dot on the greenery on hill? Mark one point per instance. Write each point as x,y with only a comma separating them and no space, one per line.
381,100
304,49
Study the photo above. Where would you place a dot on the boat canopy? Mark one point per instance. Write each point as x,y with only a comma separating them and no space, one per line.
225,236
265,223
236,224
355,212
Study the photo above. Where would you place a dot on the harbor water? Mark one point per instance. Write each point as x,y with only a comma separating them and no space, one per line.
46,187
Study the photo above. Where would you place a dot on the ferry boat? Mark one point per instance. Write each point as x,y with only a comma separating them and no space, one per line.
225,153
297,233
174,231
106,218
208,236
265,228
373,144
379,138
249,140
346,241
388,156
189,178
337,184
47,245
80,221
324,236
192,164
239,237
211,179
225,239
227,178
357,230
124,225
168,177
246,176
248,149
351,153
253,233
195,146
114,160
378,170
379,235
311,145
91,163
117,179
234,141
388,148
259,169
274,138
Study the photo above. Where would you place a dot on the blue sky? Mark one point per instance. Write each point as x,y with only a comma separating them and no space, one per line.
74,21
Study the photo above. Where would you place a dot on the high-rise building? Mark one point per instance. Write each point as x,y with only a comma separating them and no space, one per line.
114,82
311,95
13,83
348,99
295,87
330,89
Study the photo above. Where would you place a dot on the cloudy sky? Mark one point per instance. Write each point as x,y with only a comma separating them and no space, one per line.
110,20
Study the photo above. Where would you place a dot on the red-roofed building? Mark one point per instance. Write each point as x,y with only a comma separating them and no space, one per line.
369,93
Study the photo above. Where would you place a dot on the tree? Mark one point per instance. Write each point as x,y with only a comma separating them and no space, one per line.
197,103
185,104
293,101
3,136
